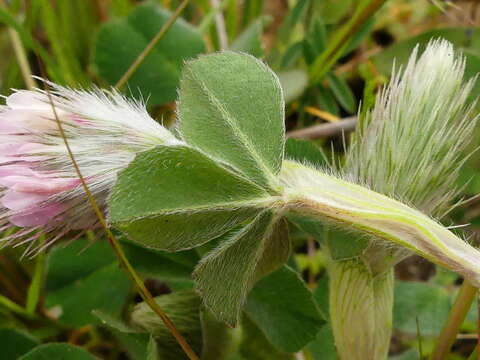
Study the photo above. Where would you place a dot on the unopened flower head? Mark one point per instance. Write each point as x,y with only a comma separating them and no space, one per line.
39,187
405,159
411,146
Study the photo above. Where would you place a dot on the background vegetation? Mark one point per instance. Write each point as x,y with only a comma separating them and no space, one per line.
330,56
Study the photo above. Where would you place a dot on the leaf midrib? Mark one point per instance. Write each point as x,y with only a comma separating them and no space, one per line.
231,205
230,121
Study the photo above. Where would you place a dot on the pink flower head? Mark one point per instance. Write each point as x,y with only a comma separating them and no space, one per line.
39,187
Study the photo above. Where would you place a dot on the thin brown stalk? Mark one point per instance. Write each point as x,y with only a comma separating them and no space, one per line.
324,130
148,49
143,291
457,315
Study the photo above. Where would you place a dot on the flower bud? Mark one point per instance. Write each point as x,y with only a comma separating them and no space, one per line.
39,187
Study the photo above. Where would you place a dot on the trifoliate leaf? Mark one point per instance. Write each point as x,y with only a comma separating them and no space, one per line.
231,107
175,198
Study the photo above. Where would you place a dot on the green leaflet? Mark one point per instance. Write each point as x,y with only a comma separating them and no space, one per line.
250,40
82,277
225,275
15,343
175,198
120,42
342,92
231,106
305,152
152,349
58,351
294,83
428,304
255,345
283,307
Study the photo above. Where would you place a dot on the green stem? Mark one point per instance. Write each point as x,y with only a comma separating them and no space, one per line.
340,40
17,309
457,315
36,285
148,49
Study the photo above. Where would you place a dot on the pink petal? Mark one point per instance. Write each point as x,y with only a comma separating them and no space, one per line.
15,121
17,169
8,128
38,217
31,184
21,152
10,149
15,200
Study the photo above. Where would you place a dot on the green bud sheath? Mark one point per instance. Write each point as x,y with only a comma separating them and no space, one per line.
318,195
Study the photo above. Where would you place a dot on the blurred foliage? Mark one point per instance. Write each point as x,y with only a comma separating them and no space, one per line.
87,301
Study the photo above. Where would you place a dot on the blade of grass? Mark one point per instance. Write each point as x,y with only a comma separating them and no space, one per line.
61,46
251,10
207,19
122,258
232,19
36,286
29,42
20,54
148,49
341,38
419,338
460,308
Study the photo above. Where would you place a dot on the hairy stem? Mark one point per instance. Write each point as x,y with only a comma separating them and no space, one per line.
148,49
460,309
